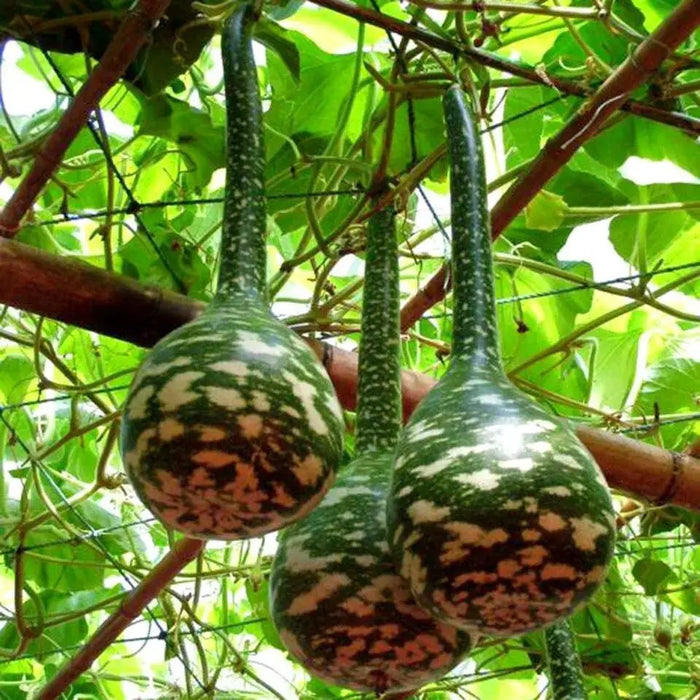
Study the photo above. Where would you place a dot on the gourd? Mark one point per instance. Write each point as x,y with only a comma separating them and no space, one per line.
565,672
231,427
498,516
339,605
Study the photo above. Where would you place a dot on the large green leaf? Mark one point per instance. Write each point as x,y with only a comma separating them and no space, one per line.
194,133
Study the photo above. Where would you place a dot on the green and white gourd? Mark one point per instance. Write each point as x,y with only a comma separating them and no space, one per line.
232,428
498,516
337,601
565,672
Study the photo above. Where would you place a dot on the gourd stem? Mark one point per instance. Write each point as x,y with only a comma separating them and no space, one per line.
242,267
565,672
475,336
379,389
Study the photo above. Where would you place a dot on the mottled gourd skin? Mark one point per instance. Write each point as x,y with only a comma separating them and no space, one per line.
498,516
232,428
336,598
340,606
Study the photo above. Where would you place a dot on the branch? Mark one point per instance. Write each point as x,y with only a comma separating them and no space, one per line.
580,128
181,554
106,303
567,87
122,50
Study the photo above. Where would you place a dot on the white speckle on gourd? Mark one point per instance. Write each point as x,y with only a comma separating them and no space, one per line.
308,471
232,367
467,535
210,433
214,459
568,461
336,495
552,571
533,556
251,425
426,512
306,393
176,391
260,402
252,344
489,399
551,522
139,402
169,429
522,464
562,491
230,399
507,568
155,369
586,532
483,479
427,433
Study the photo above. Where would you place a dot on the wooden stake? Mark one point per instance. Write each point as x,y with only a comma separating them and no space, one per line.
181,554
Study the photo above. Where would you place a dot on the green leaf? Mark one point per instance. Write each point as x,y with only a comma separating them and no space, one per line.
535,322
164,259
193,132
258,594
614,368
651,574
522,134
276,39
16,375
672,386
546,212
310,104
53,604
50,562
645,139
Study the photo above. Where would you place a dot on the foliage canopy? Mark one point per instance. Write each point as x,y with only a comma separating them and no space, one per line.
583,326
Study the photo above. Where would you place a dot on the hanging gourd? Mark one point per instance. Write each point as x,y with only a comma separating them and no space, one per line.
498,516
564,662
339,605
232,428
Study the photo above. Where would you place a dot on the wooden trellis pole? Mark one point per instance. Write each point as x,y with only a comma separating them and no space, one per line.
179,556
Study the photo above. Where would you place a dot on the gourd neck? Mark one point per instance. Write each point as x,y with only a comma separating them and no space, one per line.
379,388
243,254
475,334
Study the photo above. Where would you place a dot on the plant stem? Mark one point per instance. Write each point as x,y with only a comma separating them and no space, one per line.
512,7
628,209
566,342
243,252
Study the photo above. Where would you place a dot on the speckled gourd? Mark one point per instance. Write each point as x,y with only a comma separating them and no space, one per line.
231,428
498,516
565,672
339,605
